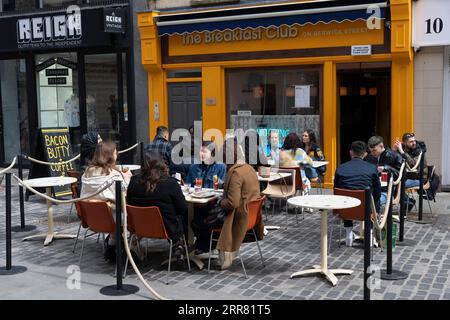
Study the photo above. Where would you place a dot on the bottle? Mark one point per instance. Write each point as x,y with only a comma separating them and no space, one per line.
216,182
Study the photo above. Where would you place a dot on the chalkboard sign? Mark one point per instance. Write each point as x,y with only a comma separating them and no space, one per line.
53,145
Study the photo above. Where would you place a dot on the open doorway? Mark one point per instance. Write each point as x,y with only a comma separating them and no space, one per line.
363,104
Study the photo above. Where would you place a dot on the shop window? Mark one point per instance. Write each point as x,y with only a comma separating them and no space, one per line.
184,73
287,99
102,101
14,127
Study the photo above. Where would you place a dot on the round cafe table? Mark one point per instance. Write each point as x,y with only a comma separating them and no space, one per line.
48,183
325,203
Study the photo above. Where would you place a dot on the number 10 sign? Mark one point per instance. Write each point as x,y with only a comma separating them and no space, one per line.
431,23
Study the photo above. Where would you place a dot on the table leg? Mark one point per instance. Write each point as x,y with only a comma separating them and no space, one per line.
51,234
323,268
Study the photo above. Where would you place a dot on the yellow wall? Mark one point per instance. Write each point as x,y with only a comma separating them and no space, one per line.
213,74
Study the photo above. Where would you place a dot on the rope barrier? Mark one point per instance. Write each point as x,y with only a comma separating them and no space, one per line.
414,169
10,166
130,257
130,148
380,224
106,185
51,163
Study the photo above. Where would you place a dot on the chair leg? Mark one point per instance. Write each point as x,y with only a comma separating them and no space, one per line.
259,248
340,234
98,237
286,214
70,212
187,253
210,249
104,243
242,263
170,261
429,205
82,247
76,239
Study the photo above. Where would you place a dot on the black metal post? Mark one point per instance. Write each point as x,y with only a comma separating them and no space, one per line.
9,269
21,200
141,147
367,228
8,221
22,227
119,234
421,168
402,206
389,273
119,289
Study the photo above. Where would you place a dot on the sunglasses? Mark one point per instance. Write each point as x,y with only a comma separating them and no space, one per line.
408,136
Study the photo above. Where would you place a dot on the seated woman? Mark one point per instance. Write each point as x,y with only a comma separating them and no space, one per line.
208,168
89,142
102,169
241,186
155,187
314,152
293,155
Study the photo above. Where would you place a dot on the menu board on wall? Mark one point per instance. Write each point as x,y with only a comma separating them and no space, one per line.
53,146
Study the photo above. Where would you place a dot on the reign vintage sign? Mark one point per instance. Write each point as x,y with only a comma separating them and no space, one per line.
49,31
114,20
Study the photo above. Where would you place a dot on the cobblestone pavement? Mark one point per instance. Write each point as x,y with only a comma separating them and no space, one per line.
426,260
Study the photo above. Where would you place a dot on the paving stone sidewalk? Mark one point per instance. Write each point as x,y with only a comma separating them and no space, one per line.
49,274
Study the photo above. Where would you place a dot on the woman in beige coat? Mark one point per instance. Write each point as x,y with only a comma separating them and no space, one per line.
241,186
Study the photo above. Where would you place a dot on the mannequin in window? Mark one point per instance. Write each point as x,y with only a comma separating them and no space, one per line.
72,115
113,110
91,113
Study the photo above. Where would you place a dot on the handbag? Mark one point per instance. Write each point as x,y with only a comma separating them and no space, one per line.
215,217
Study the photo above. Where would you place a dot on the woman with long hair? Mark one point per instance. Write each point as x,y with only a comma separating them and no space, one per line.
155,187
102,169
313,150
292,155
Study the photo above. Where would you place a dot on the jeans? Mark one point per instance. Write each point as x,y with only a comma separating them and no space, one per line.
410,183
311,172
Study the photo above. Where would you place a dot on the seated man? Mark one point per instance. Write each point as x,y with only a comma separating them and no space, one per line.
410,150
384,158
357,174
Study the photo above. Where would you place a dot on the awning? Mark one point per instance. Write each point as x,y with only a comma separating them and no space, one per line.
275,15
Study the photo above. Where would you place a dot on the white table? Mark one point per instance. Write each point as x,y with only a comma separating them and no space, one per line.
192,201
325,203
317,164
131,167
274,176
48,183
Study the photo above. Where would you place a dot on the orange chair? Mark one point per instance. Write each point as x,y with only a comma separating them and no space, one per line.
356,213
147,222
97,216
254,216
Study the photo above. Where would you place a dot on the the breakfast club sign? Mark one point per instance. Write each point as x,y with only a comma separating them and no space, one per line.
50,31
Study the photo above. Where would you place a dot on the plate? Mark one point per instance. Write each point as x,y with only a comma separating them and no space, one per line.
203,194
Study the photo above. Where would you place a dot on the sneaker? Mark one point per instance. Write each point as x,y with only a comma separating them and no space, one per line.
349,239
410,206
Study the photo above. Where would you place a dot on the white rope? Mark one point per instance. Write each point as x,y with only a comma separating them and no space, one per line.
10,166
130,148
380,224
414,169
399,179
130,257
51,163
105,186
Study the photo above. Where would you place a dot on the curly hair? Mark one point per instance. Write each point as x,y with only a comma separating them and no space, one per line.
153,170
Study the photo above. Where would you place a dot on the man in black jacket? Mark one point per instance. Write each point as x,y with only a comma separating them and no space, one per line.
357,174
384,158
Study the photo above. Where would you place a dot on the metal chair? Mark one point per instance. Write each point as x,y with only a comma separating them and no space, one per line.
147,222
254,216
283,188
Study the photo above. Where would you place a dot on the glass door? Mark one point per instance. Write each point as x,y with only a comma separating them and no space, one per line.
14,134
57,91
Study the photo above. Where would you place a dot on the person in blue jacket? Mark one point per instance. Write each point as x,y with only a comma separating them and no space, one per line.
208,168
